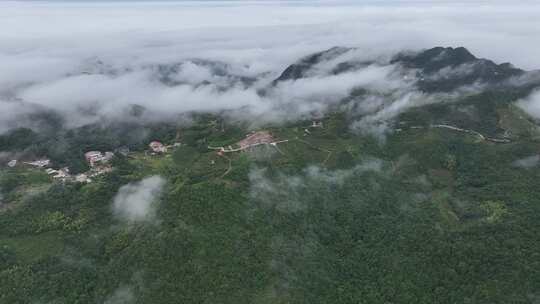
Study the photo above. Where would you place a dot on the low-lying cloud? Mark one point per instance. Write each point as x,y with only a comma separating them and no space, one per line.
92,61
527,162
122,295
531,104
137,201
289,193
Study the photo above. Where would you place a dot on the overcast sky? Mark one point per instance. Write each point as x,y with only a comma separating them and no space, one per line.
43,41
501,30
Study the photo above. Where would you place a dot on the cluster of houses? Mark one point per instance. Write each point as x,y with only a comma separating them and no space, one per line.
251,140
60,174
157,147
98,161
40,163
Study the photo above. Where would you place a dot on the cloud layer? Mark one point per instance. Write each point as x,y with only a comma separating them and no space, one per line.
93,60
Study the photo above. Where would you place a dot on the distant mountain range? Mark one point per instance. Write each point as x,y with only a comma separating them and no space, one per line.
459,88
437,69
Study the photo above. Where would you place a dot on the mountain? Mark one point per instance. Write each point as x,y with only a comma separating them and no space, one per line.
440,204
304,66
465,91
445,69
437,69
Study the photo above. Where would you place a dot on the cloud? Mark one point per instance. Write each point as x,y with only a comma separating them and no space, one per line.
531,104
339,176
137,201
122,295
289,193
336,87
283,193
527,162
92,61
377,122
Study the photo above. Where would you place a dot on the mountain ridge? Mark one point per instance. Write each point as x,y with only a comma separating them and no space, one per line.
428,62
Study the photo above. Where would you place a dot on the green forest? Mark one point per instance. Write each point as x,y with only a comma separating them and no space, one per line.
423,215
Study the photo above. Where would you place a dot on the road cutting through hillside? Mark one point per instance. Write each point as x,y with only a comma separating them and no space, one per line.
471,132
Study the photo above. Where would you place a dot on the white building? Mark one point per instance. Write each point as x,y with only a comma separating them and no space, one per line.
39,163
62,173
316,124
51,171
82,178
157,147
94,157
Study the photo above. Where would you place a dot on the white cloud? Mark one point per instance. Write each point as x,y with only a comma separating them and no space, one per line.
531,104
287,193
194,74
527,162
335,87
51,43
122,295
137,201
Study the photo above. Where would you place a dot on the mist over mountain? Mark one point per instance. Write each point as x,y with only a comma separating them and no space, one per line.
176,56
372,90
269,152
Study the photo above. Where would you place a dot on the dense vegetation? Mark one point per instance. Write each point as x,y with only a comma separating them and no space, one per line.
431,216
425,215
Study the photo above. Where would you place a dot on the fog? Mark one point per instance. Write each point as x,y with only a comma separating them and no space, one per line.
289,193
527,162
92,60
122,295
137,201
531,104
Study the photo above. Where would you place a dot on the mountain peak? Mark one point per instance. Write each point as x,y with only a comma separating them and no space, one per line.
435,58
298,70
447,68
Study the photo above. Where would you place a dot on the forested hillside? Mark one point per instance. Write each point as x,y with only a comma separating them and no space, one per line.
441,207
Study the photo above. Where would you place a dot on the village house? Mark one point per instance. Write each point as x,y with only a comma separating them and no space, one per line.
58,174
62,173
82,178
157,147
316,124
99,171
95,157
92,157
251,140
256,138
41,163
